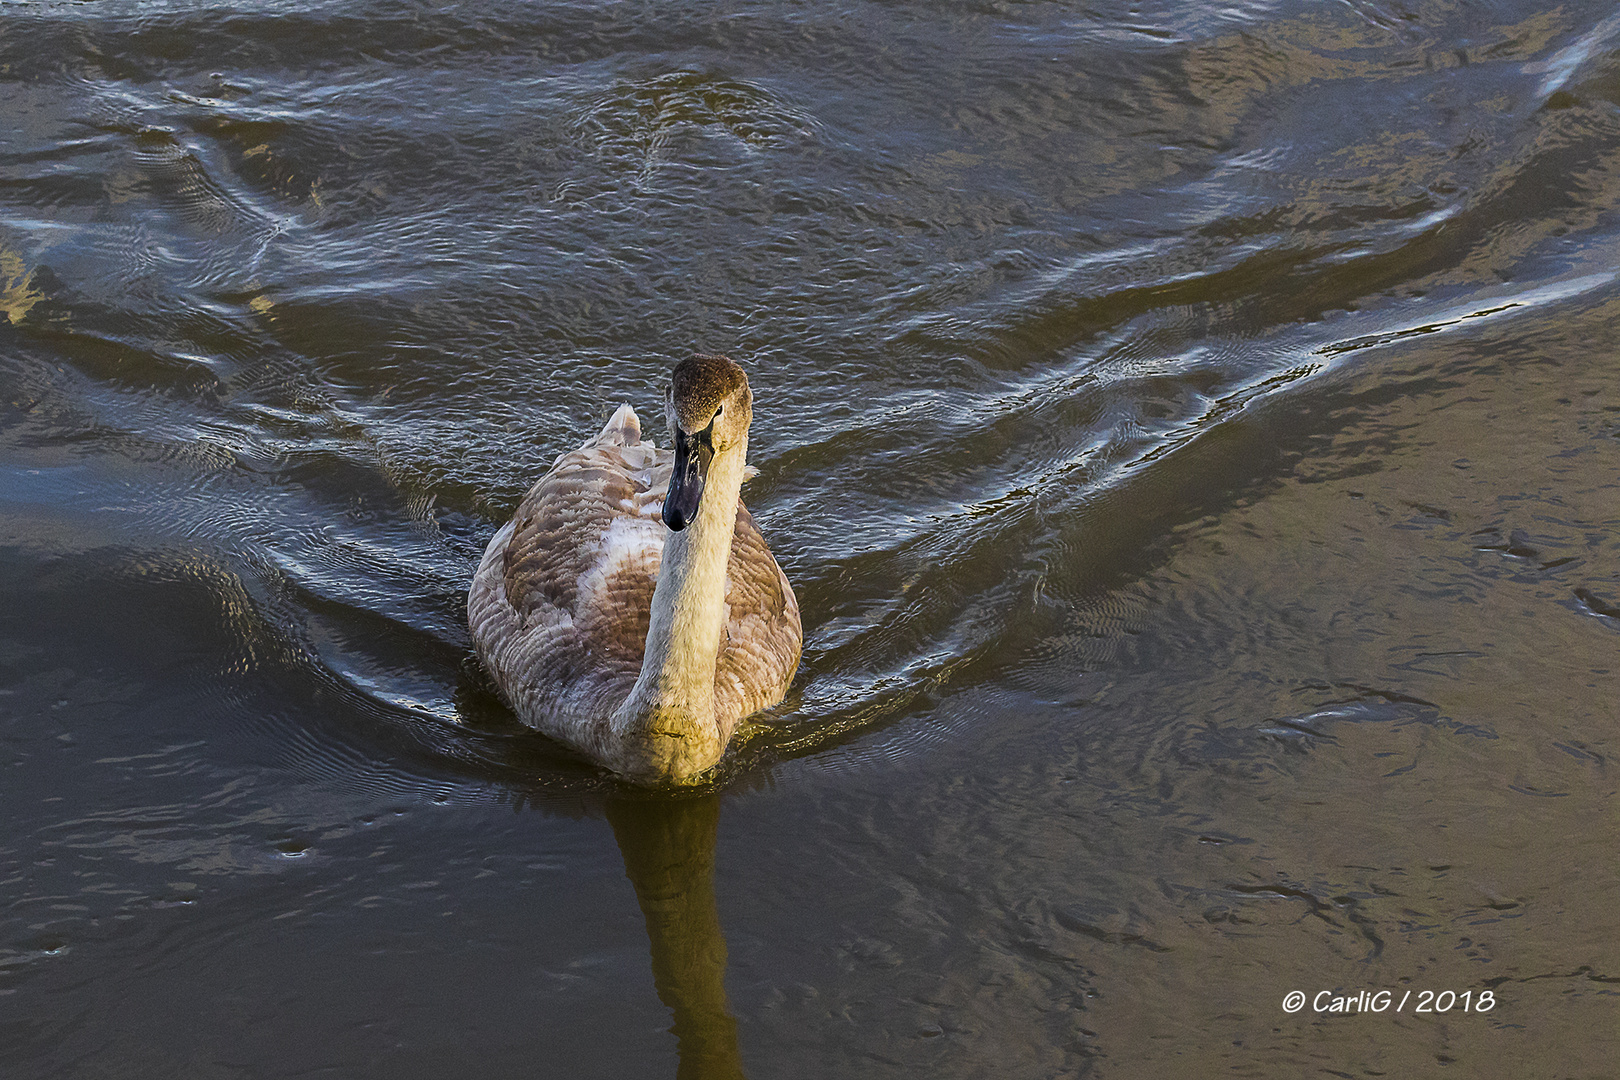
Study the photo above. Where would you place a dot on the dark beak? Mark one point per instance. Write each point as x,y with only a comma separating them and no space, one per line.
692,456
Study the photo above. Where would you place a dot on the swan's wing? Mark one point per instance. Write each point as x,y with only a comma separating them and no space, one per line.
760,651
559,606
584,548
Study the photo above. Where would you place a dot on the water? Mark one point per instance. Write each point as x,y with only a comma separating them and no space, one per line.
1191,432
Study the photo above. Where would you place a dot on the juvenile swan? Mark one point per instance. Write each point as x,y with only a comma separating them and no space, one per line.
631,608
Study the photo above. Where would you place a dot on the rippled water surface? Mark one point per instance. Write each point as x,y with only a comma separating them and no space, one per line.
1192,432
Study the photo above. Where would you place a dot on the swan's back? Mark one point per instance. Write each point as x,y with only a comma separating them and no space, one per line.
559,607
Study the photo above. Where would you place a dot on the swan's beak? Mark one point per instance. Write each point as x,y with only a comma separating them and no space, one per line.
692,456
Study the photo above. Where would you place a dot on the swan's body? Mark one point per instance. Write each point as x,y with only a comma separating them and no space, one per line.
642,644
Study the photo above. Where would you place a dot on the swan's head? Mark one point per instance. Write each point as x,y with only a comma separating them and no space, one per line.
709,408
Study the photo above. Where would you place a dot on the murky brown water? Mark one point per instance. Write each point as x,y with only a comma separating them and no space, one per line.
1192,432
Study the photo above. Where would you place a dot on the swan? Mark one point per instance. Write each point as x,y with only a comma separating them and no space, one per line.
631,608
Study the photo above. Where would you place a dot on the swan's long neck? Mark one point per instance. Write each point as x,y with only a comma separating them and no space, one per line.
669,720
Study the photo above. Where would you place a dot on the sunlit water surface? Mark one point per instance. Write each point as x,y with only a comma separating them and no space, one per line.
1192,432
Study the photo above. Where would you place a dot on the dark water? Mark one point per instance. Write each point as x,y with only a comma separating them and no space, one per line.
1192,431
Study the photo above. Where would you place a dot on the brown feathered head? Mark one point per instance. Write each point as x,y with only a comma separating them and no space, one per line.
709,408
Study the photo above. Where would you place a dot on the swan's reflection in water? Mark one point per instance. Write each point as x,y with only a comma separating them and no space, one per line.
668,849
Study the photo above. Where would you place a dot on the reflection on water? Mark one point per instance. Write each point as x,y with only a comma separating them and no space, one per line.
668,849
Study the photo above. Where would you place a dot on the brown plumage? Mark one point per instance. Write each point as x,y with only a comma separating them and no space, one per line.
561,606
